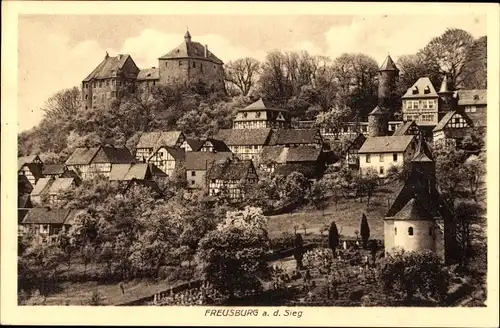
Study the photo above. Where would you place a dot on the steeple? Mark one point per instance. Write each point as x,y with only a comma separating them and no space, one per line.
187,36
388,65
107,55
445,85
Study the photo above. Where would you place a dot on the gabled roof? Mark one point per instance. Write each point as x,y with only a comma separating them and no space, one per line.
101,154
388,65
190,49
44,215
442,123
21,214
24,201
35,169
423,152
445,86
294,136
41,186
179,154
129,171
283,154
472,97
231,170
392,144
53,169
404,128
308,170
195,143
219,145
243,137
422,84
262,104
105,69
23,185
148,74
413,210
156,139
201,160
152,185
26,159
376,111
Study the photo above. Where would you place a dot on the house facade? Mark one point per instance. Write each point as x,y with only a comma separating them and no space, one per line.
352,155
452,128
89,163
229,175
168,159
149,142
420,103
31,167
49,190
381,153
45,223
246,144
474,104
197,165
260,115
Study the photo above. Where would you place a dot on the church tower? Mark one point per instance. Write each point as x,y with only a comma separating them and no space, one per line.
447,100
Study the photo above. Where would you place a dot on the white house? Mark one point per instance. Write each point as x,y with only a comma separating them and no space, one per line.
381,153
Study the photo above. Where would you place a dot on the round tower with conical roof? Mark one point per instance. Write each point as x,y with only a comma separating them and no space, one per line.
447,101
377,123
387,78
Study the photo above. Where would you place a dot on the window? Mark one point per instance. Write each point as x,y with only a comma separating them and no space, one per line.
245,115
456,120
368,158
193,173
194,64
470,109
395,231
394,157
180,63
257,115
430,103
410,231
166,64
430,231
154,82
381,170
192,182
86,96
213,181
381,157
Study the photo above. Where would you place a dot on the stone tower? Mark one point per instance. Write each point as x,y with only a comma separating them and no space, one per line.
387,94
447,101
377,123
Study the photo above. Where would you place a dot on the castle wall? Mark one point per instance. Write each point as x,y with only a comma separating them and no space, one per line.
191,71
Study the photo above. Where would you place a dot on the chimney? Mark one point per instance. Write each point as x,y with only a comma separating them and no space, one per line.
206,51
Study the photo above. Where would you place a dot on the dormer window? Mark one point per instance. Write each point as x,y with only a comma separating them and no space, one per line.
257,115
427,90
245,115
414,90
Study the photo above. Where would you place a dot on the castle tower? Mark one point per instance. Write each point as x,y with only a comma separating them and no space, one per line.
387,95
187,36
447,101
377,123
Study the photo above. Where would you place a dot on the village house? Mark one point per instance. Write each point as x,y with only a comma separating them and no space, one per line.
197,165
49,189
92,162
151,141
420,103
352,149
407,128
305,159
54,170
139,171
246,144
262,114
168,159
452,128
31,167
419,219
230,175
381,153
474,104
207,145
45,223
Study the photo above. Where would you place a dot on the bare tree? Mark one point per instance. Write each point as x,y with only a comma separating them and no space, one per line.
63,103
243,73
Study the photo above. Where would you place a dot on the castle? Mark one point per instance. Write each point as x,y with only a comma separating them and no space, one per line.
190,64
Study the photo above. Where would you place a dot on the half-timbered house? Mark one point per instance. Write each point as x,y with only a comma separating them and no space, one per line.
149,142
197,165
167,158
230,175
246,144
31,167
49,189
452,128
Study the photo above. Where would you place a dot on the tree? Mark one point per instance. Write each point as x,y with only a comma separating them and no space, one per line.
405,274
292,190
234,256
467,213
242,73
450,51
364,231
413,67
473,172
318,194
476,67
333,237
368,182
333,120
298,253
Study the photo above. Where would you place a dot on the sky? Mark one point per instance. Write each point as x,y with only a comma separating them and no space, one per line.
59,51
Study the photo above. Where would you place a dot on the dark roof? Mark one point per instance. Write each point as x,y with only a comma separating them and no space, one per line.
200,160
282,154
148,74
195,143
219,145
386,144
404,128
294,136
442,123
156,171
144,183
308,170
421,84
44,215
105,69
231,170
102,154
25,160
35,169
244,137
157,139
472,97
262,104
388,65
53,169
190,49
179,154
423,152
21,214
23,185
24,201
129,171
413,210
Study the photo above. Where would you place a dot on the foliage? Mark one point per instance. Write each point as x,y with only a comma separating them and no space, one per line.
234,256
407,273
364,231
243,74
333,237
